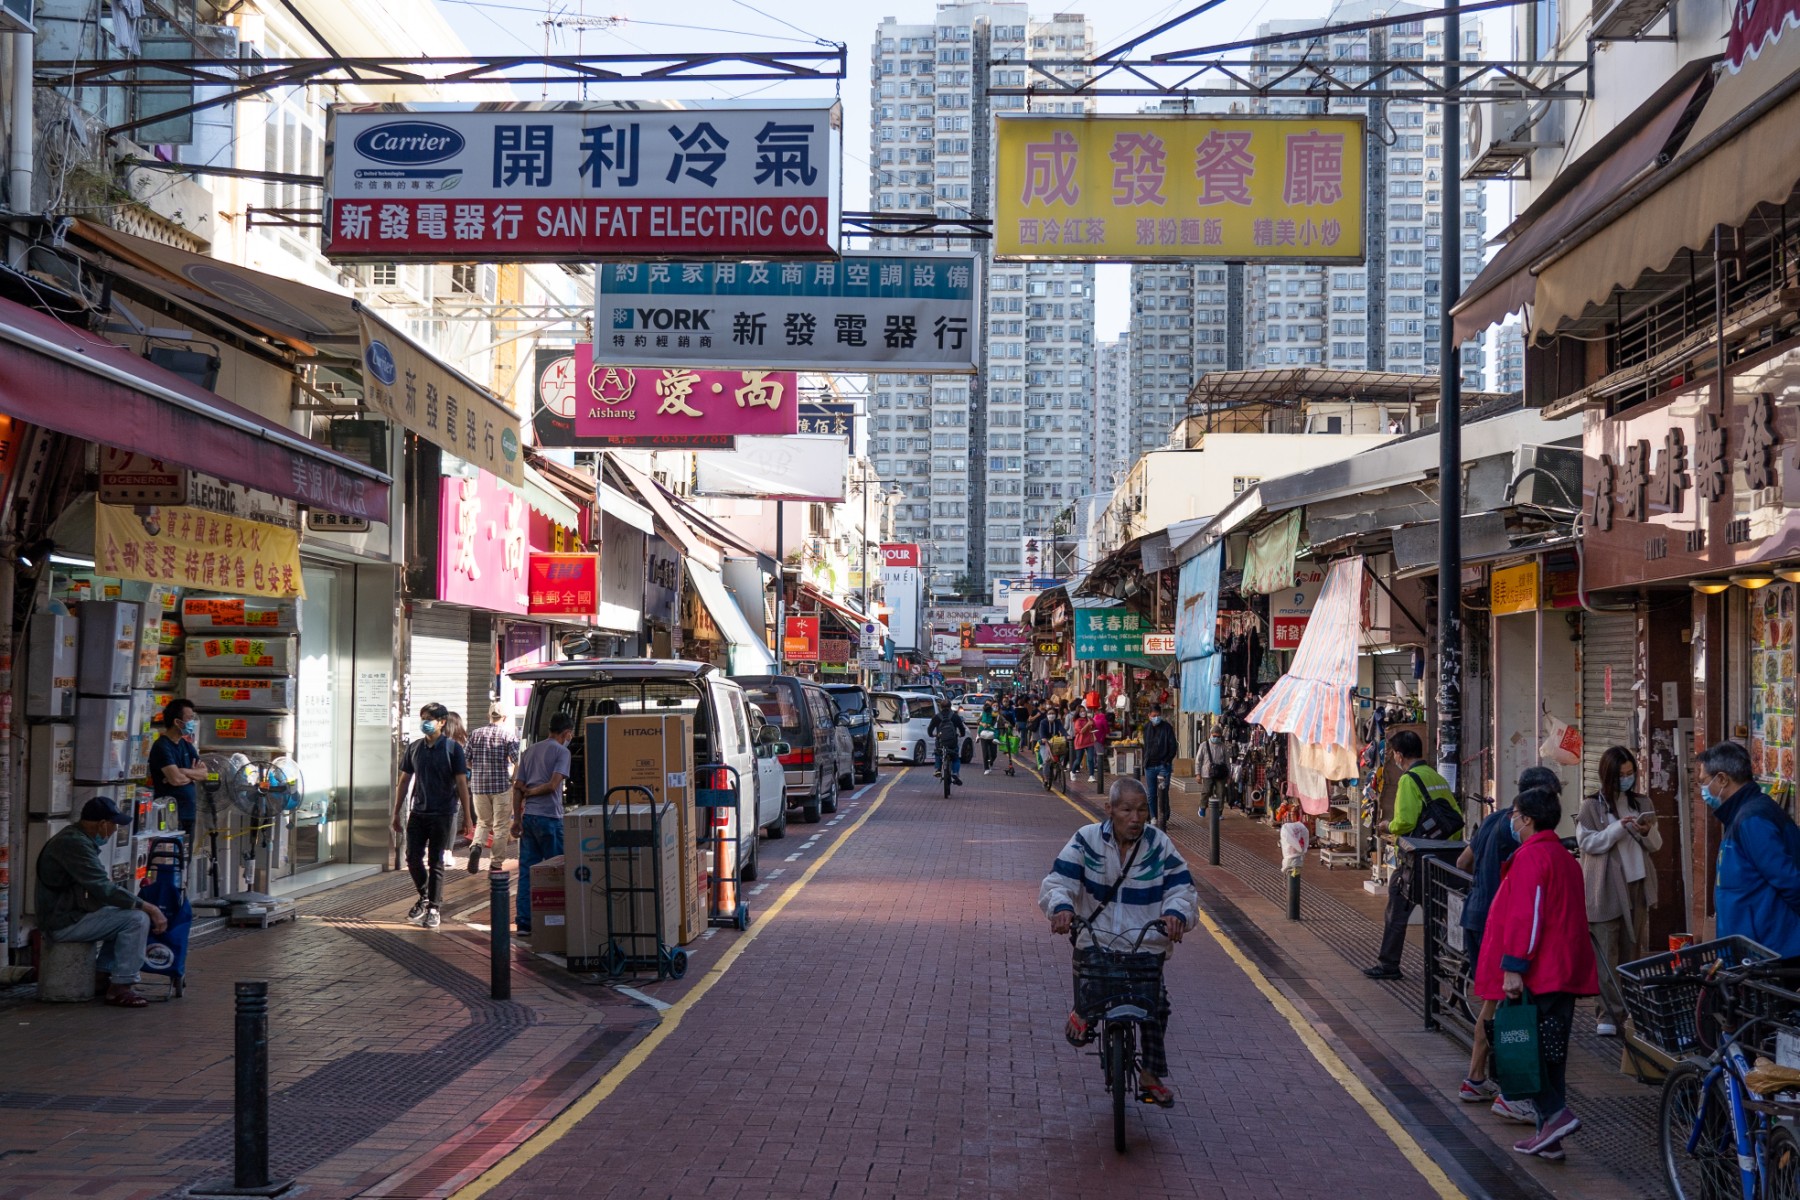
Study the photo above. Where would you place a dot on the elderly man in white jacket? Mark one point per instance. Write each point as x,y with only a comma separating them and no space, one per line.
1120,875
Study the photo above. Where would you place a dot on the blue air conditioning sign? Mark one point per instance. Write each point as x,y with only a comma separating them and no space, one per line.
405,150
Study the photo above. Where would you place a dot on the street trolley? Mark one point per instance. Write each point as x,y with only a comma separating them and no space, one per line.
718,797
638,937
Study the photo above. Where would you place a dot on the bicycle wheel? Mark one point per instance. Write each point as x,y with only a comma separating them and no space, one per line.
1118,1074
1709,1172
1781,1165
947,778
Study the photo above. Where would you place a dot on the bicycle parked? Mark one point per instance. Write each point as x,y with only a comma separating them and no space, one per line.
1123,989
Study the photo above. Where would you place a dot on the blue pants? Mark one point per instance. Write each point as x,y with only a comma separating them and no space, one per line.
1156,782
951,754
540,839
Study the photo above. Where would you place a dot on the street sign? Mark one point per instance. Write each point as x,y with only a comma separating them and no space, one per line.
557,181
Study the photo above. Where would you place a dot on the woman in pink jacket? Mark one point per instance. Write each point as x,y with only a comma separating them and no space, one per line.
1537,944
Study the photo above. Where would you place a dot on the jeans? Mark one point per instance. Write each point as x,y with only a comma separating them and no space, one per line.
122,933
1156,782
493,824
540,839
427,841
951,754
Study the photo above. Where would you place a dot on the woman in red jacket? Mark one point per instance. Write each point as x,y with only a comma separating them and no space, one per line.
1537,943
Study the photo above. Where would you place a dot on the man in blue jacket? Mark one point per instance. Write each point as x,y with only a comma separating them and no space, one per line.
1757,893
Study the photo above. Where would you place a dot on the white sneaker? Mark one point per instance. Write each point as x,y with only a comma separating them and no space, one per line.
1522,1111
987,770
1606,1029
1090,779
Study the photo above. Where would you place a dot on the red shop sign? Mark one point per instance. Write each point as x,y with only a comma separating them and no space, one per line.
802,638
564,585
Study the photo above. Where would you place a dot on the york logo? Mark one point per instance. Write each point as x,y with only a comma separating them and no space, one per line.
662,318
409,143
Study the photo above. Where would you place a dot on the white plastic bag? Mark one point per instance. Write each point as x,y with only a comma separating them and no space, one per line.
1561,744
1295,839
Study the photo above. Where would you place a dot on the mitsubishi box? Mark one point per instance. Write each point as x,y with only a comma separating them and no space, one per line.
50,678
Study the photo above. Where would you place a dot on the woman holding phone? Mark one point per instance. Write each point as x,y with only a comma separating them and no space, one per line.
1617,833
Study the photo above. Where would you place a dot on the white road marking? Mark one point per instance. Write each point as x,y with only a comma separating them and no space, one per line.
790,858
776,871
708,934
757,889
641,998
480,928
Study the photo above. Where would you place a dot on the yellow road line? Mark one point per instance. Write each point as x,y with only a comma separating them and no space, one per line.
1321,1050
608,1083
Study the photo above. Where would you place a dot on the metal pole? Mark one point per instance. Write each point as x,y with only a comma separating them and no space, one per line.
1213,808
1449,648
1294,895
251,1143
499,937
865,544
780,590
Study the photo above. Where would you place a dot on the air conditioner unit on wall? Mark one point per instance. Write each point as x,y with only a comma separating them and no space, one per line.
18,16
1500,141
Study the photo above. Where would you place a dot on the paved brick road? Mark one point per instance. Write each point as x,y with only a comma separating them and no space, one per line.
895,1032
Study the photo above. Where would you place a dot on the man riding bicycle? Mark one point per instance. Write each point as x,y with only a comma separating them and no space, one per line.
948,729
1117,876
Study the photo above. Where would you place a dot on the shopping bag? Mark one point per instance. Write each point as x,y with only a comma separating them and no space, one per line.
1517,1064
1561,744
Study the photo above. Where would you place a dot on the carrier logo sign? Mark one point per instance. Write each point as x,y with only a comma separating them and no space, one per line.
381,363
410,143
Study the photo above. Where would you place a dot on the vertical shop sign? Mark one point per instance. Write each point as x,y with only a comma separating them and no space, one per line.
800,640
482,554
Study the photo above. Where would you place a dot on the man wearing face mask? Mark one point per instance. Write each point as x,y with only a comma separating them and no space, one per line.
174,764
77,900
1213,766
1757,888
439,765
1159,763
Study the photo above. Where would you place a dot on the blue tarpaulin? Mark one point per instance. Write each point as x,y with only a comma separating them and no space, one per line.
1196,627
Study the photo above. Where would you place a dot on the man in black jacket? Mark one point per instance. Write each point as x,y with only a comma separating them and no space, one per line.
947,730
1159,763
77,900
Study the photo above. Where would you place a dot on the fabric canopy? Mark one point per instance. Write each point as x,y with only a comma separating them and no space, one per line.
1314,700
1196,630
1269,567
749,655
76,383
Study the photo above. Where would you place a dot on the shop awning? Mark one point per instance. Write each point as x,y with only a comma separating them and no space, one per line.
1315,699
749,656
848,613
1506,284
76,383
620,507
548,501
673,526
1738,158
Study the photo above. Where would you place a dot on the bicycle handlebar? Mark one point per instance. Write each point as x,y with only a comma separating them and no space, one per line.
1080,924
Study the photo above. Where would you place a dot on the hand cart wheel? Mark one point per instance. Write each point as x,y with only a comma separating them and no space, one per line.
742,917
614,961
675,963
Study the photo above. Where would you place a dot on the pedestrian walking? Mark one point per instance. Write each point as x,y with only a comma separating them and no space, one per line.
1485,857
1159,763
1084,743
987,732
1213,766
493,750
1617,833
435,771
1424,806
1757,888
1537,947
538,806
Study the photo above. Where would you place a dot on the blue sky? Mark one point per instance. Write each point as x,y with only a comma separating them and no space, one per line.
518,27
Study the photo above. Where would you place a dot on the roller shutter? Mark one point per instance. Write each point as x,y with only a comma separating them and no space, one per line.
1608,644
441,657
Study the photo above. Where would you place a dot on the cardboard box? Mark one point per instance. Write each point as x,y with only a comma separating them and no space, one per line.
654,751
52,778
598,881
242,655
53,648
230,733
550,906
106,662
1184,767
242,695
103,739
239,614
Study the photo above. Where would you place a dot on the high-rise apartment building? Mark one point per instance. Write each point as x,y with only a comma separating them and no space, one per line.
1113,446
1509,358
988,461
1188,319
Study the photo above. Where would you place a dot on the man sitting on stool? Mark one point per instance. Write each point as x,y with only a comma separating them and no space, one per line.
77,900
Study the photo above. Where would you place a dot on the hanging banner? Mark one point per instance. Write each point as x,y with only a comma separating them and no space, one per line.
662,582
193,548
866,312
800,640
587,405
562,585
414,390
1108,633
776,468
483,530
1269,565
1128,188
553,181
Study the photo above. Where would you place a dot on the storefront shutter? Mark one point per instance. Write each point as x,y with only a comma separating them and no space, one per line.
440,659
1608,641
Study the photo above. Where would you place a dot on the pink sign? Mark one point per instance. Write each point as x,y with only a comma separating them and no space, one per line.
482,545
1001,635
663,405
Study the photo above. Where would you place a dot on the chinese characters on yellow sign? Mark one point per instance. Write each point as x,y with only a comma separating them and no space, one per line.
192,548
414,390
1241,188
1514,589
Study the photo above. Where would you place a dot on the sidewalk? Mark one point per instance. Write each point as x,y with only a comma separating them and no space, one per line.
1319,960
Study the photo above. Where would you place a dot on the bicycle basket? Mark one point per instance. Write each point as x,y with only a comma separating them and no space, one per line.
1104,978
1665,1016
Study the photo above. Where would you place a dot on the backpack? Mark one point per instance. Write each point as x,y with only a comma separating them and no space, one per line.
1438,819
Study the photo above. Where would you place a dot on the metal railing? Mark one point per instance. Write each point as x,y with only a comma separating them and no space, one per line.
1443,891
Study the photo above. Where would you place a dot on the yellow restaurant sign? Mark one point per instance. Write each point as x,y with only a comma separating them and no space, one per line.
1514,589
1180,187
193,548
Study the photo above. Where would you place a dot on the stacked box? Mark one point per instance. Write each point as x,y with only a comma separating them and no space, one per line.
225,655
239,614
550,907
50,679
103,739
231,732
655,752
597,882
52,777
242,694
106,663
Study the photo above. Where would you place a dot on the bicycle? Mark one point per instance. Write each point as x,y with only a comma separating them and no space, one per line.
1719,1137
1125,988
1056,764
945,754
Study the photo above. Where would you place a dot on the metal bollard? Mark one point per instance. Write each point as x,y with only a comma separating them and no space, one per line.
1294,895
499,936
1213,808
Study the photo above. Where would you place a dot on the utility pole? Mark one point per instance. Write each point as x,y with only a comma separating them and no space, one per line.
1449,647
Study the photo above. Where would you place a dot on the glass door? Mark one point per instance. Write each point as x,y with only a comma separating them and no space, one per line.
319,827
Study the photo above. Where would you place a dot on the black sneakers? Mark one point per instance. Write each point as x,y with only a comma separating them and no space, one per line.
416,913
1382,971
474,859
432,920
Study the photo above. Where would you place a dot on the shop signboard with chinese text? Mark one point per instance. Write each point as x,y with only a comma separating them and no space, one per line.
865,312
1513,589
800,640
1118,187
1048,648
483,530
414,390
587,405
518,182
1159,643
191,548
662,582
1108,633
1290,610
127,477
562,585
835,418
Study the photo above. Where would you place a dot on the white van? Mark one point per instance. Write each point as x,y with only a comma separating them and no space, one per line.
902,721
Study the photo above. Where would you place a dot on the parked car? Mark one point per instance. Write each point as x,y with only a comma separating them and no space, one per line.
968,705
809,722
724,728
853,703
920,707
900,726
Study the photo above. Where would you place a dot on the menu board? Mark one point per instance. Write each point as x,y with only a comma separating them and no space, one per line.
1772,709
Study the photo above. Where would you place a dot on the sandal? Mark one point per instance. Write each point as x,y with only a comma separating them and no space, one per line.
1077,1030
1156,1094
126,998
